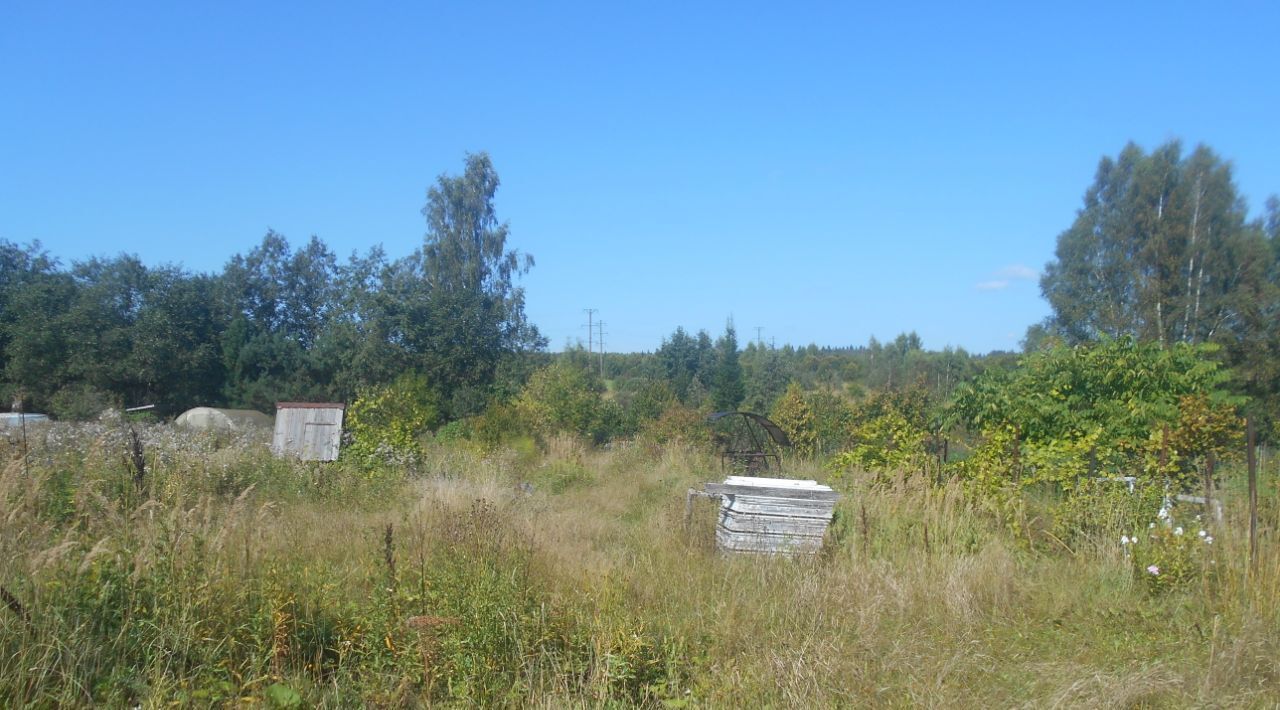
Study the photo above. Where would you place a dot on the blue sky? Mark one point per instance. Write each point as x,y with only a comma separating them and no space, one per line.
827,172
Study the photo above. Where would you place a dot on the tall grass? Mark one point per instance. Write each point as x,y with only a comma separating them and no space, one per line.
566,576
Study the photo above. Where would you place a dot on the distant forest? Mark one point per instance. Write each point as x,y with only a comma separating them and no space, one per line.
1162,250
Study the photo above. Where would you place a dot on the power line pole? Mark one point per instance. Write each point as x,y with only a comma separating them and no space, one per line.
590,313
759,337
600,326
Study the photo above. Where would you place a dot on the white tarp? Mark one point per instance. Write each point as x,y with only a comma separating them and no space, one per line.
223,421
14,420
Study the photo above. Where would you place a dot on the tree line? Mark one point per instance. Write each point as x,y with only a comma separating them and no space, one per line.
277,323
1162,250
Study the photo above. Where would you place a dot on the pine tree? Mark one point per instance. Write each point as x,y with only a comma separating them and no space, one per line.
727,388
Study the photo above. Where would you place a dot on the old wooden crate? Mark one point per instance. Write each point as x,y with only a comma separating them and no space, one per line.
772,515
310,431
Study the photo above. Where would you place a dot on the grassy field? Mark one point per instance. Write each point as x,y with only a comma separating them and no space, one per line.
233,578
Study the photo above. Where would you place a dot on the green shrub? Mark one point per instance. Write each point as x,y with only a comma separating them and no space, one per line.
885,443
1168,555
496,426
81,403
454,432
1117,404
562,398
679,425
817,423
644,402
1099,512
389,422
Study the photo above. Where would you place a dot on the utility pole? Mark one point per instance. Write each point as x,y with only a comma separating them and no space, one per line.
590,332
600,339
759,337
1251,441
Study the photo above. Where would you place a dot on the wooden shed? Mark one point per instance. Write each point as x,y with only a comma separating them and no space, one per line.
310,431
772,515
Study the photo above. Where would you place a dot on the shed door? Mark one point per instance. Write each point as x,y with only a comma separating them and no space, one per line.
316,438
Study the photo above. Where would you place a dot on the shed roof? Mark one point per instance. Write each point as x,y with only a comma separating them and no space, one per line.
310,405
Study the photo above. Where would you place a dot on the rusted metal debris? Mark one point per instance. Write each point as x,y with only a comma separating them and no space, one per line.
749,443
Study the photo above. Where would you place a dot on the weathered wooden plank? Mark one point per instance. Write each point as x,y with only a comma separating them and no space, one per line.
759,505
775,482
773,537
754,542
762,491
811,527
757,541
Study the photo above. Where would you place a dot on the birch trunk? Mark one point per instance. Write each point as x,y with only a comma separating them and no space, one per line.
1188,331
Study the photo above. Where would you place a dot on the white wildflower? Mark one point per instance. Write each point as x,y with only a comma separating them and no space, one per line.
1153,569
1203,533
1177,530
1208,540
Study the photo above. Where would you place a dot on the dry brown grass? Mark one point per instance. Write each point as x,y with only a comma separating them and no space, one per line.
597,592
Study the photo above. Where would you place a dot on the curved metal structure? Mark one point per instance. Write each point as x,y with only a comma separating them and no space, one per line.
749,442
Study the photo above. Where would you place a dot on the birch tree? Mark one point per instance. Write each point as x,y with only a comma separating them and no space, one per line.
1161,250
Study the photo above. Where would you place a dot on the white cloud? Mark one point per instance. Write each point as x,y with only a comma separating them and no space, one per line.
1018,272
1006,276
